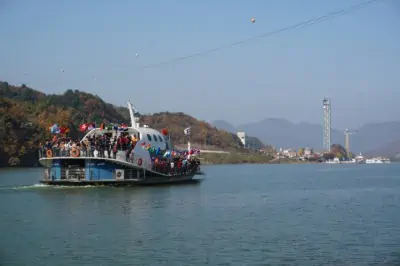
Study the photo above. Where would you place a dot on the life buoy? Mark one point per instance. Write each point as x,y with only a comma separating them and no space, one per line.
49,153
139,162
74,152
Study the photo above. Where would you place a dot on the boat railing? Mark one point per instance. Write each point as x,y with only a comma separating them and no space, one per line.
81,153
119,156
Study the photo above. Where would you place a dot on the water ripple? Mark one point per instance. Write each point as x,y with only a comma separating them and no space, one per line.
290,216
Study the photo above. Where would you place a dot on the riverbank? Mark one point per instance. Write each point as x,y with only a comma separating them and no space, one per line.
291,161
237,158
246,158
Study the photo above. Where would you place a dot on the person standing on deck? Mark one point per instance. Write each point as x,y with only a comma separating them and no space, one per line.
180,166
108,146
156,164
172,167
134,141
115,147
184,165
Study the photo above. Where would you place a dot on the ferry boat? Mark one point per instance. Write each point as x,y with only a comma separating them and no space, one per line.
360,159
80,167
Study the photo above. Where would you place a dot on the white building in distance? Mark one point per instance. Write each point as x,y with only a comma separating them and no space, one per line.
242,137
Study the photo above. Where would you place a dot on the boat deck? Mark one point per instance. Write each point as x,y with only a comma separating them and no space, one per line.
47,162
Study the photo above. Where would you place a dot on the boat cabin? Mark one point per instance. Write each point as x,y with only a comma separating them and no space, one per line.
153,137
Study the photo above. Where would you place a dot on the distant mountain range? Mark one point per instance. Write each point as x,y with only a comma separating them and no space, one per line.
371,139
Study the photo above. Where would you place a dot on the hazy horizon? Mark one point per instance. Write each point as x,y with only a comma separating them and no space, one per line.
353,59
306,122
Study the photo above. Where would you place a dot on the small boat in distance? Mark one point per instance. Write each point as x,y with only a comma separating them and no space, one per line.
378,160
118,156
334,161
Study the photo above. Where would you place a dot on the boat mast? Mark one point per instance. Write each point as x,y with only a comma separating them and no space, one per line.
134,120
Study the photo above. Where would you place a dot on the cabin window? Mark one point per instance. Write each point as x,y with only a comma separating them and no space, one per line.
160,138
155,138
149,137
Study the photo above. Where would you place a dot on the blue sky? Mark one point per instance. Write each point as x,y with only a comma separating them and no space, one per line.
354,59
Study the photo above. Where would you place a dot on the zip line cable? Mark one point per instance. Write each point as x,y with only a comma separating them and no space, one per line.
257,38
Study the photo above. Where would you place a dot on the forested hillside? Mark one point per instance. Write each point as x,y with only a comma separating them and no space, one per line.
27,114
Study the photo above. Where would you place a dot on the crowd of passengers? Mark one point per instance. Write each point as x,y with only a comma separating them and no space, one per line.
177,165
107,146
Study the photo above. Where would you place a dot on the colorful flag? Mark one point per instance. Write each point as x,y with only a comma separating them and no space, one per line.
55,129
83,127
91,126
164,131
123,127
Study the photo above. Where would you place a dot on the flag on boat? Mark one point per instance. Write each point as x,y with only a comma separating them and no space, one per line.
55,129
123,127
83,127
164,131
186,131
64,130
91,126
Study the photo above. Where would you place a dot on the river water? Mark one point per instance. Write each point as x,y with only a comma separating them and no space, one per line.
238,215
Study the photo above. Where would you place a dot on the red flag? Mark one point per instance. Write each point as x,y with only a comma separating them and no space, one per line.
164,131
83,127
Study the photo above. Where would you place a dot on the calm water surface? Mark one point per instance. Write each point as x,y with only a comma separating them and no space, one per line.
239,215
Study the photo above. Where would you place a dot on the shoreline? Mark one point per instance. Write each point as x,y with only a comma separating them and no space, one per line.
247,158
235,163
